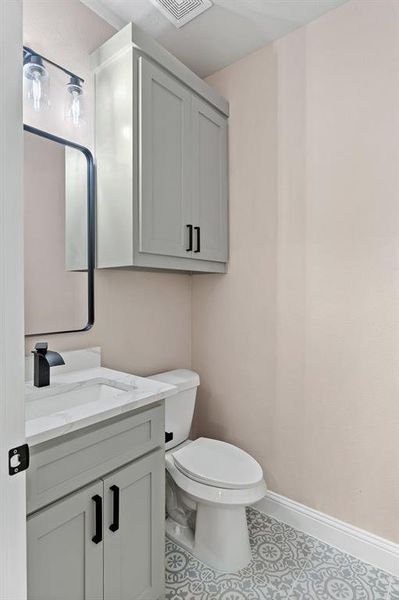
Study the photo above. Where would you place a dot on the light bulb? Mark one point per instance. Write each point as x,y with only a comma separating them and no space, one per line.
36,82
36,90
74,104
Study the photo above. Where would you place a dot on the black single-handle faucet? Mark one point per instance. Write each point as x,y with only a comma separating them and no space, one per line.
43,360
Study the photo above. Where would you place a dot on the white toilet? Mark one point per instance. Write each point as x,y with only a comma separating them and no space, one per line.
208,484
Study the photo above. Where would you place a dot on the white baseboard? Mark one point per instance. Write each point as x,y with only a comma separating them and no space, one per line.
359,543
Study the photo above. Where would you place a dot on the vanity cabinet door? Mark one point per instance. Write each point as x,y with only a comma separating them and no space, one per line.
63,561
165,195
210,185
134,515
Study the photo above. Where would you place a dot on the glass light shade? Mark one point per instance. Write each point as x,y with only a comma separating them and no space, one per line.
74,109
36,83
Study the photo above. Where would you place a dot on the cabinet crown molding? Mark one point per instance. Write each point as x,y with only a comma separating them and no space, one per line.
132,36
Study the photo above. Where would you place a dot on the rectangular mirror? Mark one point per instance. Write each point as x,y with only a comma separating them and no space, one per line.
58,234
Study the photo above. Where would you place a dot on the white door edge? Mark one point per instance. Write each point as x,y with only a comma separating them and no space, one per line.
12,428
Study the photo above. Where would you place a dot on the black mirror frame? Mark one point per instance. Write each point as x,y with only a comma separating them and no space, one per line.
91,242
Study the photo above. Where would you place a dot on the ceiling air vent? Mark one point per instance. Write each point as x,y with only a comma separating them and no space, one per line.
180,12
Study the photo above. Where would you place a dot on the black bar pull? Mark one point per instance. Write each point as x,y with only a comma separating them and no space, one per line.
190,238
198,230
98,503
115,512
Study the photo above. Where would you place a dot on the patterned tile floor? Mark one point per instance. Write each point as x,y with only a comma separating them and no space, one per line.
286,565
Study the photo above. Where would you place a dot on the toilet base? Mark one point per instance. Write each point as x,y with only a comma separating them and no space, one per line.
220,540
180,534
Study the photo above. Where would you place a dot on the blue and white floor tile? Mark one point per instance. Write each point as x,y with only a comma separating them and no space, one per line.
394,589
184,574
333,575
286,565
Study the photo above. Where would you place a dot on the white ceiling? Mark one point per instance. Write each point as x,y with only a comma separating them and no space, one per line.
227,31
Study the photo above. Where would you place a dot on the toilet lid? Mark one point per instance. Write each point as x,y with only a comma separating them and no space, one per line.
218,464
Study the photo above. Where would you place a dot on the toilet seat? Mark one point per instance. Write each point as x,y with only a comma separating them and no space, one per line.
218,464
201,492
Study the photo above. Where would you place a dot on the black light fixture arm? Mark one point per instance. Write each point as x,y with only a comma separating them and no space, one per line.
29,52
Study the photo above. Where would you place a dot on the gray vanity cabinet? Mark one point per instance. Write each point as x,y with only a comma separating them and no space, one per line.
104,541
63,562
133,556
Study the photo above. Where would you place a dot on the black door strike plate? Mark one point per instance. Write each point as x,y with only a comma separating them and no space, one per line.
18,459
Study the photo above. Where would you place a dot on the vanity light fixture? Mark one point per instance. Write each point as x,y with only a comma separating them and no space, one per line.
36,86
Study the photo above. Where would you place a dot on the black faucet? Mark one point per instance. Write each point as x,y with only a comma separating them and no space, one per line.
44,359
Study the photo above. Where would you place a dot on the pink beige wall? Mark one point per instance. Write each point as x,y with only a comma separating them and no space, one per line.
298,346
143,320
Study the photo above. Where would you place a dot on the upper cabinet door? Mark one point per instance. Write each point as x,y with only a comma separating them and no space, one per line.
165,195
210,187
63,561
134,514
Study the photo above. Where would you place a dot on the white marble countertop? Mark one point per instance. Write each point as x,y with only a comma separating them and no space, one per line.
68,404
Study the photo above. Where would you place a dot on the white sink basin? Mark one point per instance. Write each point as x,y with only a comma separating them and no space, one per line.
77,399
101,393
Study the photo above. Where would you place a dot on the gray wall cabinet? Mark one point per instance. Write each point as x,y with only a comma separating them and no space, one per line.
209,164
106,540
162,164
165,194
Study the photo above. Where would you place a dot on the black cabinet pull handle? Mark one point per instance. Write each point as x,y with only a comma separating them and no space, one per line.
190,238
115,511
198,230
98,504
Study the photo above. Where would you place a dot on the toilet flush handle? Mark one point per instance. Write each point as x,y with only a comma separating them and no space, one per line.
168,436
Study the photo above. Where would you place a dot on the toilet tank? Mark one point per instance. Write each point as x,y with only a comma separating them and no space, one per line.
179,408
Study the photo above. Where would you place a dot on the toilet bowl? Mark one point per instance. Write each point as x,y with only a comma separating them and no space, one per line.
208,485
